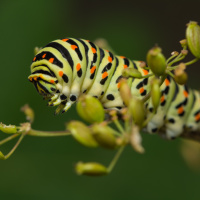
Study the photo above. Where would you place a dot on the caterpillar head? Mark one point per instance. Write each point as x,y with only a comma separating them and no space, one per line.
44,87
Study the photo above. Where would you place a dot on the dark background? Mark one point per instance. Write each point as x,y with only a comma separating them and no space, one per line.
42,168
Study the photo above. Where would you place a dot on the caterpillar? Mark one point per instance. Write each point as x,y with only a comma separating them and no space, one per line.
66,68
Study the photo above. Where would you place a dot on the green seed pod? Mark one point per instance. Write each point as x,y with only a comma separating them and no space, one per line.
10,129
82,133
156,61
193,38
182,78
91,169
125,91
131,72
155,93
90,109
136,108
103,134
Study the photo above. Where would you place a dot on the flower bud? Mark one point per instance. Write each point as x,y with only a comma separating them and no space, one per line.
182,78
10,129
155,93
131,72
193,38
136,108
90,109
28,112
82,133
91,169
104,135
125,91
156,61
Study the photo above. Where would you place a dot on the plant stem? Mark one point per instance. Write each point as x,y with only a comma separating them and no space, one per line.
37,133
115,159
192,61
14,148
118,125
8,139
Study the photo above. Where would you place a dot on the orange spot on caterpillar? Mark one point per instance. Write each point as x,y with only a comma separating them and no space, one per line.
162,99
167,82
34,58
74,47
109,59
197,117
35,78
145,71
118,85
180,110
60,73
31,79
44,55
104,75
78,66
88,40
185,93
93,50
92,69
52,81
107,50
125,66
51,60
65,40
41,76
122,57
141,90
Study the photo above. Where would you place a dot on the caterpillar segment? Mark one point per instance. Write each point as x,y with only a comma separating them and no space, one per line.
66,68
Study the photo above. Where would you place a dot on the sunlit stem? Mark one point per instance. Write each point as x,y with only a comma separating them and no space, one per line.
115,159
47,133
8,139
15,147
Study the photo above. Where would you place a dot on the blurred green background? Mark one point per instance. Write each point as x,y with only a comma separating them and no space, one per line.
42,168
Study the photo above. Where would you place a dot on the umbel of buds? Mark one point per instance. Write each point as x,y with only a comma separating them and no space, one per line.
90,109
81,133
156,61
193,38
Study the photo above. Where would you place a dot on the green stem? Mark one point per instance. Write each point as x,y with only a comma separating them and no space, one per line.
14,148
37,133
115,159
118,125
177,59
148,75
192,61
8,139
170,73
170,58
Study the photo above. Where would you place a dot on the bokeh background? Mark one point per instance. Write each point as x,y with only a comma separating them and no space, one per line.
42,168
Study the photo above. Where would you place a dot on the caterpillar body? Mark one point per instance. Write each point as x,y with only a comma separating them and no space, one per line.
66,68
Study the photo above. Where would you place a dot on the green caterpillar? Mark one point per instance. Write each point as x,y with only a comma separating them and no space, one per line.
66,68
